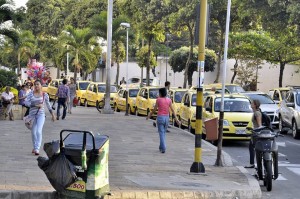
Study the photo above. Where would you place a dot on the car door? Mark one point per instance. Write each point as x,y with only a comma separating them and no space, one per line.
284,109
122,100
185,109
208,106
139,98
290,110
145,100
90,93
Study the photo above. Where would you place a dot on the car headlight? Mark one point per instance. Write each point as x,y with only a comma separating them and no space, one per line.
133,101
225,123
277,111
153,105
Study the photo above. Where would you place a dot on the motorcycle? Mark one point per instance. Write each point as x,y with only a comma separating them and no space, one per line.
266,152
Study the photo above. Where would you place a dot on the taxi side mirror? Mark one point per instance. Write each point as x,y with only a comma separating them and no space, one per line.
208,109
187,104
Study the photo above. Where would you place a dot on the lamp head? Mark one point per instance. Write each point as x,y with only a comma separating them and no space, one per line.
125,25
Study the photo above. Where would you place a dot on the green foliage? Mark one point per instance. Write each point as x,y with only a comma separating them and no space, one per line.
142,58
179,57
246,73
8,78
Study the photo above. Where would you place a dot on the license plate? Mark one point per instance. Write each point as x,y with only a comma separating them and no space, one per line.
240,132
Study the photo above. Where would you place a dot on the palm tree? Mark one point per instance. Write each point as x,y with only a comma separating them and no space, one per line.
99,26
7,14
26,46
79,42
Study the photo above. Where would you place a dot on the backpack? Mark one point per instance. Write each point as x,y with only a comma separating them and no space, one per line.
265,120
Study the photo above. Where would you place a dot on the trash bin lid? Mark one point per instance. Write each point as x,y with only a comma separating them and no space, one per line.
75,141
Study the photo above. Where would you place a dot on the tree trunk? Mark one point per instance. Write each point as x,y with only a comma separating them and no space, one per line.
219,57
19,63
148,62
187,65
190,77
76,65
118,72
234,70
282,65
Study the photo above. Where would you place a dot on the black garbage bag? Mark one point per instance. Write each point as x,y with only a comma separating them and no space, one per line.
60,171
43,162
52,148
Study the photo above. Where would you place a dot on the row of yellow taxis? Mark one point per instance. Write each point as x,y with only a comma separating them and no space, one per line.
141,101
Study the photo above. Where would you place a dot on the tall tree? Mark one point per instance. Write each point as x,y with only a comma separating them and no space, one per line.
183,18
148,20
99,26
78,42
7,14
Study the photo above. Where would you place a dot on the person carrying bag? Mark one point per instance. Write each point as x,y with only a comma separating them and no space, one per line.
35,100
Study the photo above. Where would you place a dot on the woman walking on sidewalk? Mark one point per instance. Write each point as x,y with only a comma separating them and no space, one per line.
36,100
163,104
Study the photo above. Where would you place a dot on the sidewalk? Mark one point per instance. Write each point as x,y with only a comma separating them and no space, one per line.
137,168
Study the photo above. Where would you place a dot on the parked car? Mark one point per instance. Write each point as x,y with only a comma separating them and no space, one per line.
176,95
289,113
95,92
232,88
136,82
266,105
187,111
52,87
120,100
278,94
81,87
146,99
237,115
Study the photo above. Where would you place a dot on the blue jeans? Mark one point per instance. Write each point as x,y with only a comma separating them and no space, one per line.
162,125
62,102
36,131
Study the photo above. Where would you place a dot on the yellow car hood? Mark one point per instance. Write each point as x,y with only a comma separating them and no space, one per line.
236,116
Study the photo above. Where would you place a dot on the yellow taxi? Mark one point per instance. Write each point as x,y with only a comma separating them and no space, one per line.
278,94
187,111
120,100
176,95
237,115
94,94
81,87
52,87
146,99
231,88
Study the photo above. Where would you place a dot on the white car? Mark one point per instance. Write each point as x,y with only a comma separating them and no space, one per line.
266,105
289,113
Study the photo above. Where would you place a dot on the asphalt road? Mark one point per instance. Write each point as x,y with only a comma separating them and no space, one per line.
286,186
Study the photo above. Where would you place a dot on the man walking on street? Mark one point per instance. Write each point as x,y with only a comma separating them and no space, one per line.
8,100
63,95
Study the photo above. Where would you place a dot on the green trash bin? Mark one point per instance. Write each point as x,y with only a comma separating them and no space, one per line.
93,181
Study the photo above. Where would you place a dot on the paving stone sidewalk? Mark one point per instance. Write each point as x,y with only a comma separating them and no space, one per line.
137,168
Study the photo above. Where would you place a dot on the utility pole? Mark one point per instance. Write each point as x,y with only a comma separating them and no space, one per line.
197,166
107,108
221,117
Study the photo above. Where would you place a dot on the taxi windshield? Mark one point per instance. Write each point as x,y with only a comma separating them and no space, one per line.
83,85
102,89
133,92
178,96
153,93
233,105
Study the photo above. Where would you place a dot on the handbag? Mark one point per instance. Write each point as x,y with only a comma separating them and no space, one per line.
29,120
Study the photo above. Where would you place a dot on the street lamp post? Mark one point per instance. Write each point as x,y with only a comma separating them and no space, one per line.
127,26
167,35
67,72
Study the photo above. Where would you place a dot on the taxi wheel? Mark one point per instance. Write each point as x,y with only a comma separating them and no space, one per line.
85,103
191,130
116,108
174,122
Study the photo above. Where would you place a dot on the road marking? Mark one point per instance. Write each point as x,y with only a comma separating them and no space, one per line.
280,177
293,143
288,165
281,144
295,170
281,155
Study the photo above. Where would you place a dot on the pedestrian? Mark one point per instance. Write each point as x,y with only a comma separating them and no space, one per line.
257,122
163,105
123,81
8,100
167,86
63,95
36,100
22,96
72,88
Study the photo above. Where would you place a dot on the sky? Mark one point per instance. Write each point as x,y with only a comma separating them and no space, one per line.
20,3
